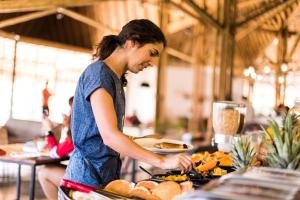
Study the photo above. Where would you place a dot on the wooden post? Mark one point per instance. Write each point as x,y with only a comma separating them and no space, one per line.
17,37
195,119
161,71
281,58
214,77
227,50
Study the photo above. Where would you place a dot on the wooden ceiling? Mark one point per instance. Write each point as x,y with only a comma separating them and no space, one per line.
83,23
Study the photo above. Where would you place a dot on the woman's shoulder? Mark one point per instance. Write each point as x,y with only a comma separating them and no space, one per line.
95,70
96,67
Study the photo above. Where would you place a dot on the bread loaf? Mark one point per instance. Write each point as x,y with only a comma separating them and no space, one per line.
121,187
167,190
186,186
143,193
150,185
168,145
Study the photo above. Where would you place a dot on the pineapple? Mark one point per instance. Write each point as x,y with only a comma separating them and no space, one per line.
242,153
283,145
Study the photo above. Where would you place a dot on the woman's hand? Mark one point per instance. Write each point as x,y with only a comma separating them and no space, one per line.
181,161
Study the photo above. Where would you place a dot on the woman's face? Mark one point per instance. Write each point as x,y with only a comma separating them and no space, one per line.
141,57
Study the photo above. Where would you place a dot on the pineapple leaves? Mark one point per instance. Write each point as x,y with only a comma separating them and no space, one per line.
283,144
242,153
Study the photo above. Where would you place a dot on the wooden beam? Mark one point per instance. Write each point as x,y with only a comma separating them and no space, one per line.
203,15
10,6
26,17
250,25
293,12
180,25
268,29
245,4
44,42
294,47
86,20
184,10
178,54
250,15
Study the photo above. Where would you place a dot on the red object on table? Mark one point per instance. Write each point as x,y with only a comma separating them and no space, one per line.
2,152
77,186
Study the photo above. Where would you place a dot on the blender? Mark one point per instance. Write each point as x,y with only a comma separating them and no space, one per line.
228,121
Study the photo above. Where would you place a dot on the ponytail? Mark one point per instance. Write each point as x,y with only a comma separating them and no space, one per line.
124,80
108,44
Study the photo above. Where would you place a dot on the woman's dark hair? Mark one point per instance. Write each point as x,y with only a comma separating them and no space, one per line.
71,101
142,31
69,122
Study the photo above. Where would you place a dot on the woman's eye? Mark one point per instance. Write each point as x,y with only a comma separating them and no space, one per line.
153,53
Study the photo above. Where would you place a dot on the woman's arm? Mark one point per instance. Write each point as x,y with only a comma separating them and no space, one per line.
105,115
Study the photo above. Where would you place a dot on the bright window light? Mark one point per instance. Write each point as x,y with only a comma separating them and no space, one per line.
251,69
253,75
275,41
281,79
284,67
36,64
246,72
267,69
260,77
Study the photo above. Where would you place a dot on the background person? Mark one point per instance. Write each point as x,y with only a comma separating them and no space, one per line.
46,95
50,175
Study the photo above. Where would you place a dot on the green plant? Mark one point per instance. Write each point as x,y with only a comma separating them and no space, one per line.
283,144
243,154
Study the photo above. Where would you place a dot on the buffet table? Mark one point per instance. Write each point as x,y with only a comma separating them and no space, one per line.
14,155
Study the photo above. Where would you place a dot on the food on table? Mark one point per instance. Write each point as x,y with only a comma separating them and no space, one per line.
226,121
218,156
186,186
2,152
149,190
150,185
210,164
206,165
121,187
168,145
176,178
226,161
219,172
167,190
143,193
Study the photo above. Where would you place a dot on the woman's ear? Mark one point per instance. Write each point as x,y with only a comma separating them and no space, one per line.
131,44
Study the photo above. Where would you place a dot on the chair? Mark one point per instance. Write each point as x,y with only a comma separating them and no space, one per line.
3,135
20,131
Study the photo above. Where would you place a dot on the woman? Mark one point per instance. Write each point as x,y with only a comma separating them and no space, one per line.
99,107
50,175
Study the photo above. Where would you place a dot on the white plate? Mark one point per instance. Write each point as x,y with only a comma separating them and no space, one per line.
27,154
148,143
